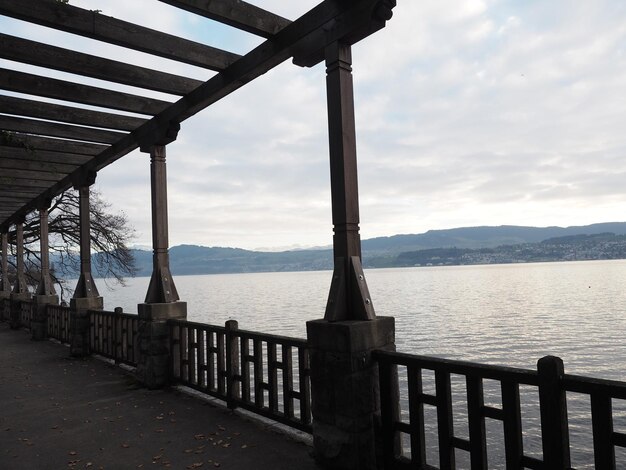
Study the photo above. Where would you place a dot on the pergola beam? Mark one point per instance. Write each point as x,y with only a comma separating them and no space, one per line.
95,25
22,82
52,129
65,60
43,156
68,114
39,166
68,148
235,13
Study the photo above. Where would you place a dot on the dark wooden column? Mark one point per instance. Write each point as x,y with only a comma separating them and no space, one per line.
344,376
161,288
20,292
45,287
5,286
86,296
45,293
349,297
161,302
85,287
20,286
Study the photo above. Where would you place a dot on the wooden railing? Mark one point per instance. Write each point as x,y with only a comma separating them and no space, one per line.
5,309
549,381
114,335
26,313
59,322
265,374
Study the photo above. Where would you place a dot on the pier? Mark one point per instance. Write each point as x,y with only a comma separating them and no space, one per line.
62,407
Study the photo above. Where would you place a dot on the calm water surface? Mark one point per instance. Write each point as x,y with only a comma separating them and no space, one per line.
499,314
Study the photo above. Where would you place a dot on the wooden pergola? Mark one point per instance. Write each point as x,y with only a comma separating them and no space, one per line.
48,147
45,148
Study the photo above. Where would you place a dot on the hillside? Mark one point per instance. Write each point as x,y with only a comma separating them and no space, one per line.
386,251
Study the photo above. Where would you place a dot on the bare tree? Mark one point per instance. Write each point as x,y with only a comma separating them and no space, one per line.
110,235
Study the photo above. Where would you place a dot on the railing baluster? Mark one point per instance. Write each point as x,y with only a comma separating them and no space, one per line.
476,421
602,424
221,364
201,355
287,381
272,376
258,374
416,417
388,434
305,385
444,420
512,421
553,406
245,369
210,360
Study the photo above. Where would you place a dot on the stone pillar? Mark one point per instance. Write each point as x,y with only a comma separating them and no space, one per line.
5,285
20,292
161,302
86,296
344,379
45,293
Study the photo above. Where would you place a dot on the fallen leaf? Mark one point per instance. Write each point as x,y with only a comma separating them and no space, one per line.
125,446
72,452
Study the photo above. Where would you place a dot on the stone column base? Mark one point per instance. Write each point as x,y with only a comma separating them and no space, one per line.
345,390
39,323
153,367
16,308
79,323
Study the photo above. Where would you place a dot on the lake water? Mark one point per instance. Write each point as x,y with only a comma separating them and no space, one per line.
499,314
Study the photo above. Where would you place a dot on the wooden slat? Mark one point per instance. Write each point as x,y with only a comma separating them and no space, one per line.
24,182
602,425
476,421
444,420
94,25
21,82
512,423
416,417
287,380
53,129
24,164
40,176
19,191
56,112
43,156
238,14
65,60
44,144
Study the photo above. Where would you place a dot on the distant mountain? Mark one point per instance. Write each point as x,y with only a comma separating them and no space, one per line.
484,237
377,252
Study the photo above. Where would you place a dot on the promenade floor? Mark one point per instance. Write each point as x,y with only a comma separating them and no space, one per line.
57,412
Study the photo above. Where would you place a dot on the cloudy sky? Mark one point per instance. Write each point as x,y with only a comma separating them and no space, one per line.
477,112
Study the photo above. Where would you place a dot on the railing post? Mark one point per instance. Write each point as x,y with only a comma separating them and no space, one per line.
233,386
553,406
118,335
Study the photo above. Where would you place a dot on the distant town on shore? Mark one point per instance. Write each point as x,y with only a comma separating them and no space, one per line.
458,246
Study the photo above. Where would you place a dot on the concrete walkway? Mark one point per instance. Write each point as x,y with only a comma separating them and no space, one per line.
57,412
